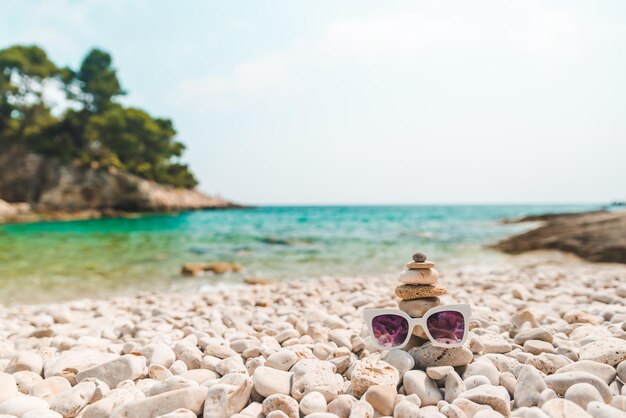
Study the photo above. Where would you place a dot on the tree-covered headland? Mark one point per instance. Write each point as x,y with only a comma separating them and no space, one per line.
91,127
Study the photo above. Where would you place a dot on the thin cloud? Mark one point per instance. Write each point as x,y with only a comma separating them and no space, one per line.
247,83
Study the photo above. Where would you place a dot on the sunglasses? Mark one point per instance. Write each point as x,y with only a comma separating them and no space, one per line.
445,326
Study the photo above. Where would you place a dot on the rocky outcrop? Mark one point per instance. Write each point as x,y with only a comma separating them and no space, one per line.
594,236
49,186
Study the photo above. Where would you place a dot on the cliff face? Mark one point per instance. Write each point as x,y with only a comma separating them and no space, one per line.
47,185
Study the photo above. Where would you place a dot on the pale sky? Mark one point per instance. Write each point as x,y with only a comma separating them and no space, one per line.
368,101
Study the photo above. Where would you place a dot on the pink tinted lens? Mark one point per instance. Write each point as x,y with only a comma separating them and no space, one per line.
390,330
446,327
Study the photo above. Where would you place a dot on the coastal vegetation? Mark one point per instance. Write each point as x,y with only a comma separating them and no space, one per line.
87,126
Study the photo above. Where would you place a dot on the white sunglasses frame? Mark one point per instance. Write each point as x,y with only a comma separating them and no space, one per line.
463,309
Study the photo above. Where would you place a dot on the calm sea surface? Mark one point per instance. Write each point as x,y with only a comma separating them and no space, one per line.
62,260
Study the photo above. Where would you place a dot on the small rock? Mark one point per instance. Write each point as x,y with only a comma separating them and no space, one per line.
382,398
21,405
419,276
562,381
603,371
533,334
419,257
282,360
313,402
8,387
127,367
41,413
583,393
537,347
370,372
401,360
621,372
483,368
562,408
25,380
601,410
191,398
25,361
362,409
342,405
280,402
417,307
49,388
427,355
609,351
228,396
494,343
494,396
406,409
529,386
71,402
268,381
313,375
417,382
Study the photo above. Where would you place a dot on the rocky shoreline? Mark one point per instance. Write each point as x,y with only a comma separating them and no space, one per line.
547,340
35,188
595,236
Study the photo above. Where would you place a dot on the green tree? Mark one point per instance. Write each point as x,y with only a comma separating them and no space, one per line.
98,81
24,71
132,140
97,132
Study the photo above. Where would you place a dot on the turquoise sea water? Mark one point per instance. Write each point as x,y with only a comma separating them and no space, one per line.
62,260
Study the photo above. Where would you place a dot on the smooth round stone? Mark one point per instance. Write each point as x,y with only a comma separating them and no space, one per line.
601,410
419,257
583,393
268,381
421,276
342,405
313,402
416,308
621,371
496,397
407,409
282,360
562,381
603,371
401,360
483,368
8,387
409,291
381,397
529,386
21,405
425,265
563,408
417,382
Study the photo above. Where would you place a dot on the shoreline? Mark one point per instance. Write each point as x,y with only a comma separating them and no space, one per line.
90,214
232,351
597,236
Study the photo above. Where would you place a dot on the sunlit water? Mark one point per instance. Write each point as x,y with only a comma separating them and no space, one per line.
62,260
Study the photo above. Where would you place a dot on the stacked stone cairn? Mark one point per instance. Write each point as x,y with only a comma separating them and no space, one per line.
419,291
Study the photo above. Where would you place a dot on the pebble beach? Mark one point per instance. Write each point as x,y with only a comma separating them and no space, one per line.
547,339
